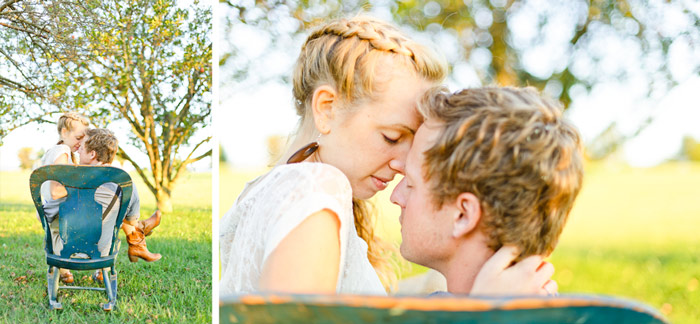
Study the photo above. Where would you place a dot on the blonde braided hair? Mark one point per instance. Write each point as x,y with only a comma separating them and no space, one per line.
66,122
343,53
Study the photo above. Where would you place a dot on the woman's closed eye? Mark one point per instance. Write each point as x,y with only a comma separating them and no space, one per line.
391,140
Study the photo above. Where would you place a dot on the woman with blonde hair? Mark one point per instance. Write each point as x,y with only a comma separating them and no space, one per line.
304,227
72,127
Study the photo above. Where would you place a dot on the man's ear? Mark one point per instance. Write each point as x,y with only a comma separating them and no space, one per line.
92,155
324,99
467,215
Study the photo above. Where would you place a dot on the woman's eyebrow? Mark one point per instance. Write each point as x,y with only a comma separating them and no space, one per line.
402,126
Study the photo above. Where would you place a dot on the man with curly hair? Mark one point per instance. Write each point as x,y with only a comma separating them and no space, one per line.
488,168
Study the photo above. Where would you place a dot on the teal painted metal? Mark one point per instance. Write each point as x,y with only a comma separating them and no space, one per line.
451,309
80,223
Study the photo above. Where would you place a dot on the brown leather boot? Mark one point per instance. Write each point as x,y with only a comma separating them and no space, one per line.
65,276
97,276
149,224
137,247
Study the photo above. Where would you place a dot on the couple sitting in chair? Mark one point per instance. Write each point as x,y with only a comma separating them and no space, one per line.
95,147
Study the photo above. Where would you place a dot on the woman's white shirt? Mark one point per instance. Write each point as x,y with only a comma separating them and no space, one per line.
271,206
50,158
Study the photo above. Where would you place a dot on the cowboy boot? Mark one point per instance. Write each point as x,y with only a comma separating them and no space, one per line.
97,276
137,247
149,224
65,276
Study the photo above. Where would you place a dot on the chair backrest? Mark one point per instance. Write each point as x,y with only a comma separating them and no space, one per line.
439,309
80,216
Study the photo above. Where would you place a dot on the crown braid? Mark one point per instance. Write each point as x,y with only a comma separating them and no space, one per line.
387,38
65,121
344,53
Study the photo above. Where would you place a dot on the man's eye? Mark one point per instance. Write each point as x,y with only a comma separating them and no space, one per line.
391,140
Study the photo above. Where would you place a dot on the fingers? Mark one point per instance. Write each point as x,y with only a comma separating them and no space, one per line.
551,288
544,272
502,258
530,264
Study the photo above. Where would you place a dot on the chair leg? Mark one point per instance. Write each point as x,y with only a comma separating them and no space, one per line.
113,279
52,276
110,283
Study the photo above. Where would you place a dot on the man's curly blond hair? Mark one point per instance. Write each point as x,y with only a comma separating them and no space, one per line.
103,142
513,150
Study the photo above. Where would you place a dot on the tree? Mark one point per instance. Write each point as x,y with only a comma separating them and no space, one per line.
145,62
486,37
32,40
27,158
691,148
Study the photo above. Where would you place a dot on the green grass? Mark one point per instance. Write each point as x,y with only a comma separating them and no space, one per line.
633,233
175,289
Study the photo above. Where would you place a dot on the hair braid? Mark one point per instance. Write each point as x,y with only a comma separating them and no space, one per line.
386,39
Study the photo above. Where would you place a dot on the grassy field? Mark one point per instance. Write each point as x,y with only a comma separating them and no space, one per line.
173,290
633,233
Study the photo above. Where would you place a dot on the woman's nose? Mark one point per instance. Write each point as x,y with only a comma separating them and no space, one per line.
398,165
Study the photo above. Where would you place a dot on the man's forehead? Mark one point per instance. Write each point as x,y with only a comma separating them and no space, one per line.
425,138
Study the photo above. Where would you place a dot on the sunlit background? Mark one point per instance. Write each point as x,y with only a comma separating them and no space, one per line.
629,81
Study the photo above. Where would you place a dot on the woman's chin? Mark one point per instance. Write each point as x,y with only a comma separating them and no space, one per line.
363,193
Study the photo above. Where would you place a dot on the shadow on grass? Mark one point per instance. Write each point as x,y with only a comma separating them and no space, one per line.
175,289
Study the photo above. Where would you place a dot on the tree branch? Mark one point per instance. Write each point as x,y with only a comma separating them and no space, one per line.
23,30
7,4
189,160
147,181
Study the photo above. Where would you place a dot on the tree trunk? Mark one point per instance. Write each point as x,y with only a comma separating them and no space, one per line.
163,202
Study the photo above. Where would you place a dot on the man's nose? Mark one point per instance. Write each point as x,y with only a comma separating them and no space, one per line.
397,196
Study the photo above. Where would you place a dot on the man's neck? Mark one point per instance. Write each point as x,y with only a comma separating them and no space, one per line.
461,270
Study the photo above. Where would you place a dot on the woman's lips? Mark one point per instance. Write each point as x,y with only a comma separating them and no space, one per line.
379,183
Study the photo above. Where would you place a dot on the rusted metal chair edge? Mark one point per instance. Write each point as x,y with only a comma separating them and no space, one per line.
447,303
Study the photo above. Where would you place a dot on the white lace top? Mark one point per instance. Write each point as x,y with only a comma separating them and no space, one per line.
50,158
271,206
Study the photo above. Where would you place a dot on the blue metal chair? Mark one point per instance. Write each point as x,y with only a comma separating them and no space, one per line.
273,308
80,224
